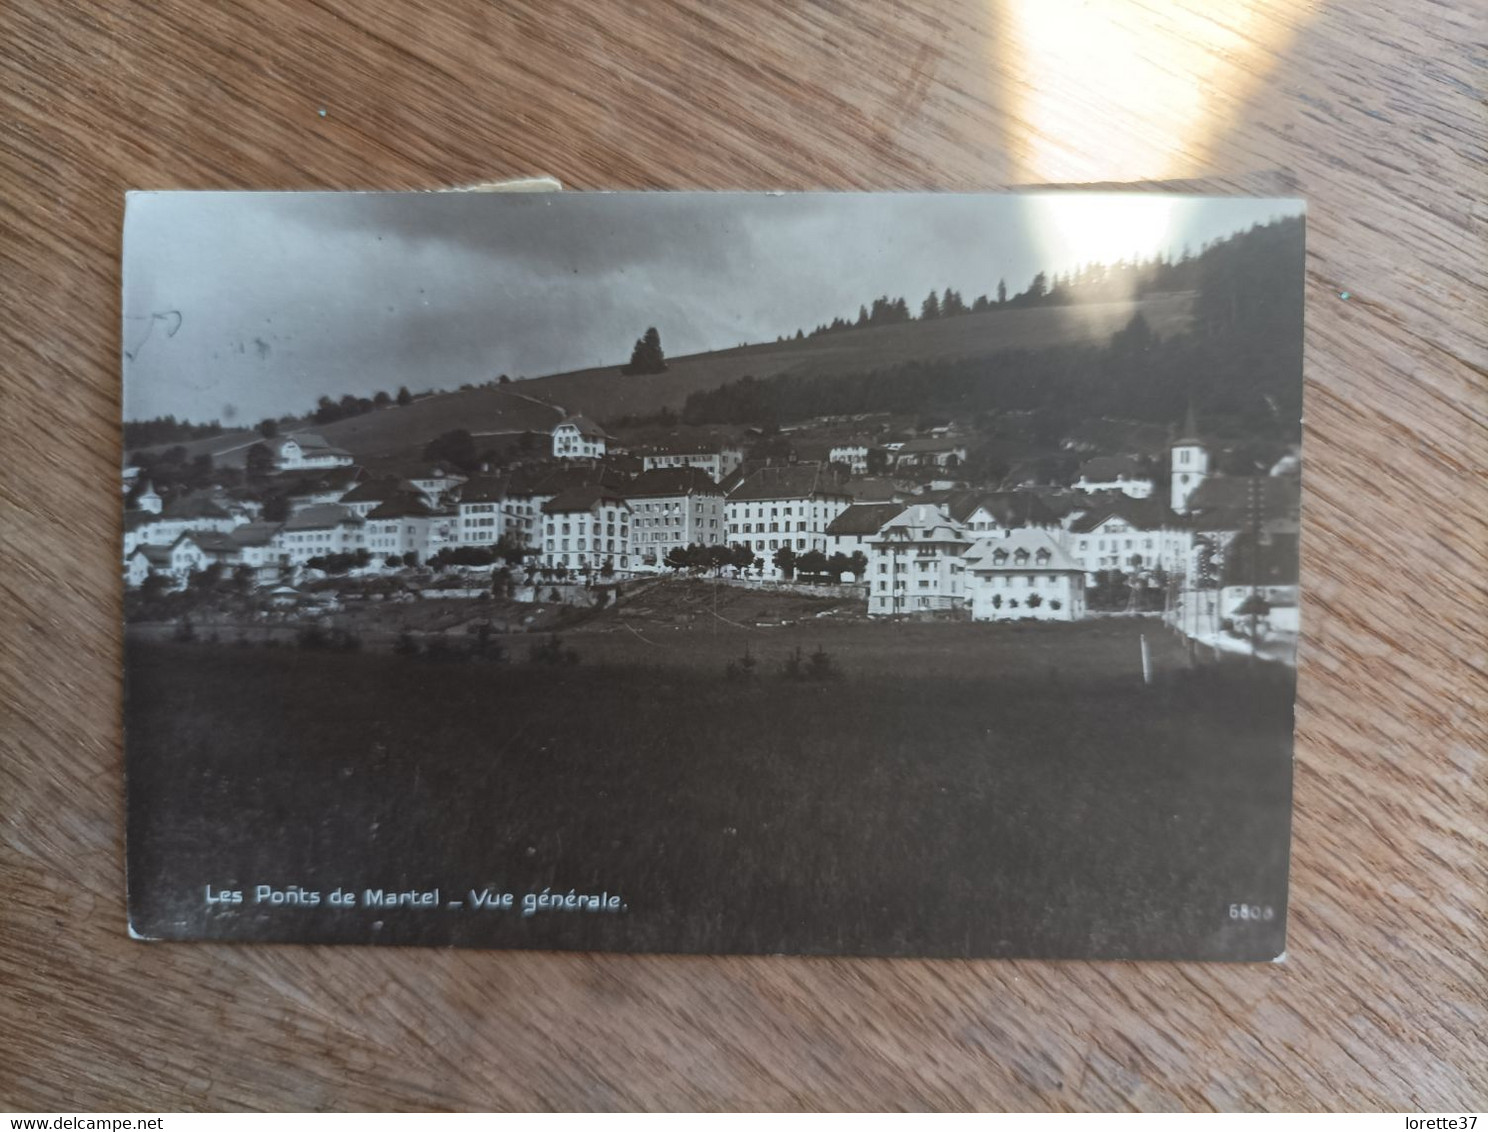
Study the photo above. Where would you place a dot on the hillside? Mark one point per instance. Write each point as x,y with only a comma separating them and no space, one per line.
604,394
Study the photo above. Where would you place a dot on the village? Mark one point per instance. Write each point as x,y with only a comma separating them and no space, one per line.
898,521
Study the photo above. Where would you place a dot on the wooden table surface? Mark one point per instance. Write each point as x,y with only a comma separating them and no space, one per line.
1371,109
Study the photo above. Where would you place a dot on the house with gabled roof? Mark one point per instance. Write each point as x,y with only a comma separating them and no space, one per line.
929,451
1130,535
365,497
850,531
306,450
787,506
1023,573
257,548
994,513
915,566
578,438
1115,473
717,458
174,561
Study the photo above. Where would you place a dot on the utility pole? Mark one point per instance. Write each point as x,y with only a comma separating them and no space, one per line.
1255,488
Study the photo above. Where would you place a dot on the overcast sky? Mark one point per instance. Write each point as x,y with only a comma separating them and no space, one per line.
244,305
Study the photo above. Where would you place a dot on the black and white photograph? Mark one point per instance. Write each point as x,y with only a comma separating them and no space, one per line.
880,574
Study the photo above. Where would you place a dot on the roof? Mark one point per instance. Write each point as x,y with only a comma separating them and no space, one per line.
403,505
321,517
214,542
373,491
1273,560
1009,508
253,534
875,489
1189,433
1143,514
584,498
585,426
1226,499
924,522
931,444
303,481
689,448
794,481
193,507
864,518
1104,469
310,441
1019,550
156,554
484,489
553,480
662,482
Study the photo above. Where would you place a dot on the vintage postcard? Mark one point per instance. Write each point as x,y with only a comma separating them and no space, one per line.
860,574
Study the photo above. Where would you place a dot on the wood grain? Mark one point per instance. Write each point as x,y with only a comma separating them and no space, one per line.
1373,110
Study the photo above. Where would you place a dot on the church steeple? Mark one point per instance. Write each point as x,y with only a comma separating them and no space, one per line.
1190,463
1189,433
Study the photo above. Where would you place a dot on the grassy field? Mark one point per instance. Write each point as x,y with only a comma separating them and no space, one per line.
953,790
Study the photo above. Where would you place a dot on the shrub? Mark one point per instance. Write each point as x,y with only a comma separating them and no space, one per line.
741,669
552,652
819,667
313,637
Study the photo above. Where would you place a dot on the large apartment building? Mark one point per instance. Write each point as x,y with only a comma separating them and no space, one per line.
674,507
789,506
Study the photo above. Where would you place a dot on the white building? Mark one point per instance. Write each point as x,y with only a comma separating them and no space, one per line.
1024,573
674,507
930,451
587,528
257,548
409,528
855,456
718,460
1133,537
187,513
1115,473
578,438
915,564
306,450
174,561
149,499
481,511
790,506
327,528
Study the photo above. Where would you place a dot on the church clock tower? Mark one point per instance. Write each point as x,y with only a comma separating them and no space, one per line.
1190,464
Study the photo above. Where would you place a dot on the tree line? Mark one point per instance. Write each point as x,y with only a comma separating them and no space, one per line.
1240,361
1089,282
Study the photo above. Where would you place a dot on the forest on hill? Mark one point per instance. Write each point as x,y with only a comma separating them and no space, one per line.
1239,360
